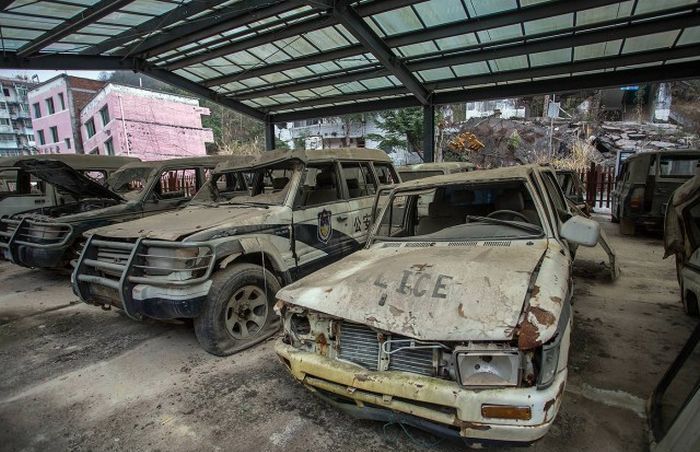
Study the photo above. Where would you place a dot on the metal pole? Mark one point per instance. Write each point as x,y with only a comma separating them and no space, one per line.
269,136
429,133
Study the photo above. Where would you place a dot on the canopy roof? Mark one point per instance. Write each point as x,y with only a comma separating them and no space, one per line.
285,60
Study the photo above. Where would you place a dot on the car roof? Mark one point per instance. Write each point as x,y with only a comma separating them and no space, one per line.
308,156
75,161
208,160
676,152
435,166
507,172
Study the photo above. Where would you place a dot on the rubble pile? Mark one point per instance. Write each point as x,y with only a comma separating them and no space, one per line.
636,137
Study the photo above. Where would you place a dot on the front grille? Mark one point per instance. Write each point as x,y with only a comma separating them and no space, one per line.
497,243
7,228
361,345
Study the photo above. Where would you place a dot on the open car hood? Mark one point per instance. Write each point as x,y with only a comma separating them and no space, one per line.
67,179
438,292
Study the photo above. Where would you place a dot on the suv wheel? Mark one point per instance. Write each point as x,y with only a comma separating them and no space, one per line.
238,312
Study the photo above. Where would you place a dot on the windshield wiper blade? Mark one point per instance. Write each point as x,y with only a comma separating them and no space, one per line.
516,224
247,203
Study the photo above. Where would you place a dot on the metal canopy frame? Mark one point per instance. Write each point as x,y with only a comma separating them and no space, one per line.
286,60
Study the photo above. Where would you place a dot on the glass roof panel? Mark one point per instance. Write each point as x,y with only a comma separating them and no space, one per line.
203,71
465,70
690,36
396,21
648,6
298,72
269,53
598,50
603,13
152,7
496,34
438,12
327,38
283,98
122,18
321,68
648,42
10,20
550,57
187,74
253,82
308,94
549,24
325,91
275,77
13,44
481,8
377,83
420,48
351,62
375,28
224,65
510,63
39,8
454,42
351,87
441,73
233,86
78,38
101,29
296,46
243,59
17,33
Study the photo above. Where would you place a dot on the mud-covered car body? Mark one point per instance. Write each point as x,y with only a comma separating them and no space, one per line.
421,170
682,239
22,190
51,237
303,210
644,187
448,320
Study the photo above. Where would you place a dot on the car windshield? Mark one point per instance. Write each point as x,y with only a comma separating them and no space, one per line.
130,182
262,186
461,211
413,175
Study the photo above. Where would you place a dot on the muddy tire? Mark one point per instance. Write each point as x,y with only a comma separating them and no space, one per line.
627,227
238,311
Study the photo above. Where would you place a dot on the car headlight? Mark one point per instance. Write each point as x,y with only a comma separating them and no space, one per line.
487,367
161,261
549,361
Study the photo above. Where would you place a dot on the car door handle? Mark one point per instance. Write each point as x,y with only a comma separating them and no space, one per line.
341,218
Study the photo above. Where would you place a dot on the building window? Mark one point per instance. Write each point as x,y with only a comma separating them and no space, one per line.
90,127
42,138
54,134
37,110
4,122
104,113
109,147
62,101
6,92
95,151
50,106
67,140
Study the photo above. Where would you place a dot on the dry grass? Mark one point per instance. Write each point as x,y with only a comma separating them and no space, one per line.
254,147
580,158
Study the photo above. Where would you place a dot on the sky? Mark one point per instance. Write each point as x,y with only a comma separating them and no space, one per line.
46,75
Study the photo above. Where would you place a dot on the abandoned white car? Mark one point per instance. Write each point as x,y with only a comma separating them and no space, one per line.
456,316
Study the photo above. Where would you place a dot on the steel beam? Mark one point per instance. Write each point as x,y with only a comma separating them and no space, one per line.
456,28
354,23
675,71
429,133
11,60
86,17
175,15
5,3
269,136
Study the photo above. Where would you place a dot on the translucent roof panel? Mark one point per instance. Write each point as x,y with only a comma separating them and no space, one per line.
603,13
550,57
689,36
648,42
397,21
438,12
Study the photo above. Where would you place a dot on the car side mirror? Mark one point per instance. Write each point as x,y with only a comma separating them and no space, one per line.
581,231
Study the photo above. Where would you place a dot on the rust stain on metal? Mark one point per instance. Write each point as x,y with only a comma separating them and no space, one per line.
395,311
557,300
329,290
362,377
535,291
460,310
322,344
545,318
549,404
528,336
471,425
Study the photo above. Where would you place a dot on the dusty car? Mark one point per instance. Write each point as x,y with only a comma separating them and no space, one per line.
645,184
682,239
420,170
21,190
455,318
51,237
251,229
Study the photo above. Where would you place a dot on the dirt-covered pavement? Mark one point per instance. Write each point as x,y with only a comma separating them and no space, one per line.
75,377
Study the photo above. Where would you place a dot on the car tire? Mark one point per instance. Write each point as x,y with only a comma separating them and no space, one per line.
238,312
627,227
690,304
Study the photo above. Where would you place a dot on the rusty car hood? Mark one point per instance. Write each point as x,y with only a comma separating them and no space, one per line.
188,221
457,291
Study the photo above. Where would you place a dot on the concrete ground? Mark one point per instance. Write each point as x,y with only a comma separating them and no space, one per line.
76,377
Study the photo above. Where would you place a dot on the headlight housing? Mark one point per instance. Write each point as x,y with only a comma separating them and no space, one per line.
549,362
182,262
487,367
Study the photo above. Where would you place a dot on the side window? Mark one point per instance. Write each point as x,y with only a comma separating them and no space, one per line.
178,184
320,185
386,174
359,179
555,196
230,183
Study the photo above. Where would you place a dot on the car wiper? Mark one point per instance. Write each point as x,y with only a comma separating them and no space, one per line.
516,224
247,203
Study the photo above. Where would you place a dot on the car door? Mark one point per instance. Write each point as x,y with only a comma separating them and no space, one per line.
321,218
362,188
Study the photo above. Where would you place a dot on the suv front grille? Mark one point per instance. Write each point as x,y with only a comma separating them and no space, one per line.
362,345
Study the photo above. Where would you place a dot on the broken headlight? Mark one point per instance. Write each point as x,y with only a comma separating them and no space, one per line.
487,367
177,262
549,361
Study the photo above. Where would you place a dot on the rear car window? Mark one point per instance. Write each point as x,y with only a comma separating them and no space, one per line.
678,166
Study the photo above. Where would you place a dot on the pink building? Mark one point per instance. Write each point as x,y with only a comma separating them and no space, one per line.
55,108
119,120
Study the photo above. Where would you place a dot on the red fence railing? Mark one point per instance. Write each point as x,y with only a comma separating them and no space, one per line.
598,182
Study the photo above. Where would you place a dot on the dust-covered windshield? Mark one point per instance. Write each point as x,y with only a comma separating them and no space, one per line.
262,186
131,182
471,211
